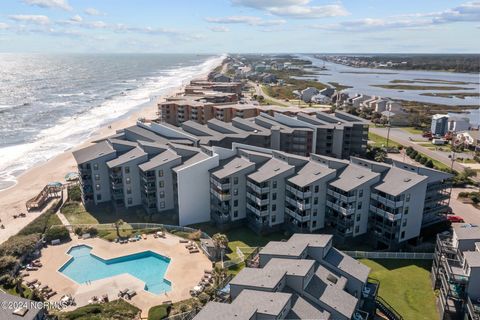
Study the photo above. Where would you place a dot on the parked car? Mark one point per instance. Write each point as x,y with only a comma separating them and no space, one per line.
455,219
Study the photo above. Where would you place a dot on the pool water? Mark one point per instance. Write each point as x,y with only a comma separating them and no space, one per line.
146,266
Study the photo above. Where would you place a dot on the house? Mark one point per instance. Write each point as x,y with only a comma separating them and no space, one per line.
439,126
307,94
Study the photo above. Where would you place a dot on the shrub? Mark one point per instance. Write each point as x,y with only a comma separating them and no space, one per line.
78,231
418,157
61,233
195,235
7,263
75,194
475,197
429,163
463,194
423,160
158,312
7,281
41,223
92,231
19,245
203,298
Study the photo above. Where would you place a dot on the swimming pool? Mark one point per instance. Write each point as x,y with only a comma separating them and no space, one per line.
146,266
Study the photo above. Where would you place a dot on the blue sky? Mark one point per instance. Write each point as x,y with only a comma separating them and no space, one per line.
218,26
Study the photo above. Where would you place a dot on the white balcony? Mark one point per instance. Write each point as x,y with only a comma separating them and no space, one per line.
298,193
385,214
257,200
258,212
341,197
342,210
296,216
387,202
257,189
220,186
299,204
221,196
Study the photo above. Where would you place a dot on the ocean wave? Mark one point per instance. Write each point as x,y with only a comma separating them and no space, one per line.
71,131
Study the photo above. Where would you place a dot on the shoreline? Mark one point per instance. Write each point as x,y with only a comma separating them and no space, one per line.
30,182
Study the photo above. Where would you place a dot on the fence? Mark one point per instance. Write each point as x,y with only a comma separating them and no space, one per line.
138,226
390,255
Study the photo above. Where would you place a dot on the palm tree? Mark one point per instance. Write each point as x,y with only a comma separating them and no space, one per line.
220,241
118,223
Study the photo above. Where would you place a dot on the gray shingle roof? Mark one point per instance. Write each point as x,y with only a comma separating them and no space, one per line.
397,181
310,173
235,165
270,169
347,264
127,157
466,231
352,177
472,258
302,309
161,159
93,152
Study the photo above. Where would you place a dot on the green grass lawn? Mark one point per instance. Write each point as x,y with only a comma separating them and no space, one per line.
379,141
406,286
118,309
76,214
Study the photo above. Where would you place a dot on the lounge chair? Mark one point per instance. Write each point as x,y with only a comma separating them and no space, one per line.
51,294
121,293
131,294
194,251
183,241
207,271
32,282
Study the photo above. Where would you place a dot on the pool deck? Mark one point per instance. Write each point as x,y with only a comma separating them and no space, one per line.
184,271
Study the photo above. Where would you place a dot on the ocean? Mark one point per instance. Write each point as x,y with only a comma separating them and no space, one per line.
51,103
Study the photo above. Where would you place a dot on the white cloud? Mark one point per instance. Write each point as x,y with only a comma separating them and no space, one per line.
76,18
299,9
60,4
250,20
31,18
219,29
3,26
96,25
92,12
467,12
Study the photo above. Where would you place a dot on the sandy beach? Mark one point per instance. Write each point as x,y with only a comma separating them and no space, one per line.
31,182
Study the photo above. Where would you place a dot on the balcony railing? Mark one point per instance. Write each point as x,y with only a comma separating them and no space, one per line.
257,200
340,196
221,196
385,214
299,204
297,216
299,193
258,189
473,309
342,210
219,185
387,202
258,212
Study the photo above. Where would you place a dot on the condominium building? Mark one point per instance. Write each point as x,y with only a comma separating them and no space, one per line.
456,272
302,278
228,173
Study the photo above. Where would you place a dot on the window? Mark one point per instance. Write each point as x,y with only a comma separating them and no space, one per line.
357,229
129,201
160,173
314,224
162,204
407,198
404,223
315,200
129,190
162,194
360,193
235,214
314,213
358,217
127,169
235,180
99,197
235,203
274,207
316,189
97,187
95,166
274,218
274,196
406,211
359,206
274,184
161,184
402,235
97,177
127,181
235,192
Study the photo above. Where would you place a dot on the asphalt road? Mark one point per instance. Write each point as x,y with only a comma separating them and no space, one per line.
402,137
